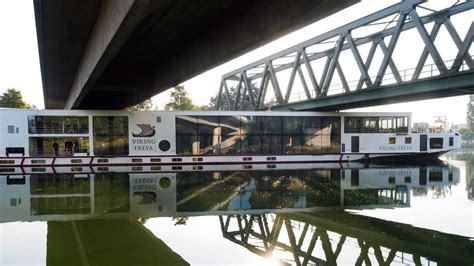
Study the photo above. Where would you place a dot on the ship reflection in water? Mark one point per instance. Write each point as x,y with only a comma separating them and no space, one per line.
294,214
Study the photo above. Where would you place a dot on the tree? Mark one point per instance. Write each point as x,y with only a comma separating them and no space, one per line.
468,134
145,105
179,100
245,105
12,99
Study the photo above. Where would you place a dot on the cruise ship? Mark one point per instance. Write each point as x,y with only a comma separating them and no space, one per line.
103,138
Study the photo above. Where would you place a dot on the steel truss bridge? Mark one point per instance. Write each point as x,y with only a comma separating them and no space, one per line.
316,73
320,238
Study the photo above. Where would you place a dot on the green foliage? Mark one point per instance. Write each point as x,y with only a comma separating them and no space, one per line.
246,105
468,134
12,99
179,100
145,105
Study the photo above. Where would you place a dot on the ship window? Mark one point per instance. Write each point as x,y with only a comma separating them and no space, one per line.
14,150
137,160
392,140
155,168
76,161
402,124
451,141
291,144
391,180
38,161
408,140
102,160
58,146
436,143
230,135
291,125
58,124
11,129
102,169
352,124
137,168
271,124
158,119
370,125
435,175
110,135
7,161
271,144
155,160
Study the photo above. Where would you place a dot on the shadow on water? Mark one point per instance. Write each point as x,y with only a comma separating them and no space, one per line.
295,216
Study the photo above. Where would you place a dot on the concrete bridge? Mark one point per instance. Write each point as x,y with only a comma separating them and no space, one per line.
107,54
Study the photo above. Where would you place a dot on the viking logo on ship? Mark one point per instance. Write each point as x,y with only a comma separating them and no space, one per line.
148,197
147,131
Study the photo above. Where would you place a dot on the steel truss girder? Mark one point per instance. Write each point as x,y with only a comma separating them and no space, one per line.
257,227
266,70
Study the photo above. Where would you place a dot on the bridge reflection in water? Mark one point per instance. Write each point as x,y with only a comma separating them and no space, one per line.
295,216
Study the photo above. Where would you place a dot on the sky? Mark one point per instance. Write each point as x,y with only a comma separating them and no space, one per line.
19,62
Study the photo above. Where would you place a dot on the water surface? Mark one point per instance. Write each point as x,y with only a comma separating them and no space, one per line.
330,213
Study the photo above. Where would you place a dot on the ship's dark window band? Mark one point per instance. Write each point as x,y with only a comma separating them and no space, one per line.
58,146
253,135
110,135
155,160
58,124
137,160
38,161
155,168
358,124
102,160
436,143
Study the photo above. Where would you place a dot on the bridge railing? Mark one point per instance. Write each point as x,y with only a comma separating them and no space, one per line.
322,65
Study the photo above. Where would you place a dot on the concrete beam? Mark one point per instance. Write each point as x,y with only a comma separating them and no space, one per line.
130,50
115,22
423,89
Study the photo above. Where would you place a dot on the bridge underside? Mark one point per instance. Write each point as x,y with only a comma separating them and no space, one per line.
111,54
425,89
